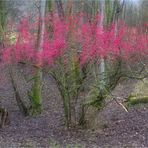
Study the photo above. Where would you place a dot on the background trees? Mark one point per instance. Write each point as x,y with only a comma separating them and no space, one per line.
84,51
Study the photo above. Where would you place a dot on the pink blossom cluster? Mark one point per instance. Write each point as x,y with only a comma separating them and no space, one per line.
93,40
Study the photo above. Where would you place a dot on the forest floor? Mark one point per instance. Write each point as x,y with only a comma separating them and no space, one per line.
120,129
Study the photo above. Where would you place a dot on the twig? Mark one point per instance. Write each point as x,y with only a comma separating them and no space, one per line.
119,103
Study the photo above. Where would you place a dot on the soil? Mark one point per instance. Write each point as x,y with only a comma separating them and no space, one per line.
119,129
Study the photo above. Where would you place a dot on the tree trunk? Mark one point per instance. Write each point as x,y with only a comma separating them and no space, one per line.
60,9
102,61
3,16
37,86
20,89
4,117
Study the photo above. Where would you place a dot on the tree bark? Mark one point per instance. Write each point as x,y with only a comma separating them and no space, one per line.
20,89
102,61
37,86
60,8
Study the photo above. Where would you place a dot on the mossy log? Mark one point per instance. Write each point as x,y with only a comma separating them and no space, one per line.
139,94
133,100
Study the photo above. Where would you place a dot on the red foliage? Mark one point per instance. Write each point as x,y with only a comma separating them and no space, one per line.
25,47
101,42
95,42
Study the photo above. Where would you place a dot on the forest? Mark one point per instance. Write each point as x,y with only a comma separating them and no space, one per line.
74,74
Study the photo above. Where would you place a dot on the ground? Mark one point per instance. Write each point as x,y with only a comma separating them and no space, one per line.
119,129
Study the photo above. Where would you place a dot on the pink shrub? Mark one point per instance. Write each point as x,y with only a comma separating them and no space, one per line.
97,42
25,47
94,42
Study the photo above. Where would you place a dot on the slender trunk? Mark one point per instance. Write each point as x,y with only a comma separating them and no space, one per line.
119,6
49,5
3,16
60,9
20,93
102,61
41,24
37,86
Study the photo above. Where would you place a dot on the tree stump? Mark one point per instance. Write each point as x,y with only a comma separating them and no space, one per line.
4,117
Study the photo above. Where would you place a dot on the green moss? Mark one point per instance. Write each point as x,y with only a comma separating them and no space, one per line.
139,94
134,100
35,95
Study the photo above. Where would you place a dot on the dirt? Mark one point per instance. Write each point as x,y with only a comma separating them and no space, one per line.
119,129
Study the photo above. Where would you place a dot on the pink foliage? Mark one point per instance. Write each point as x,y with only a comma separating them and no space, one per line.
134,42
54,47
101,42
25,47
94,41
